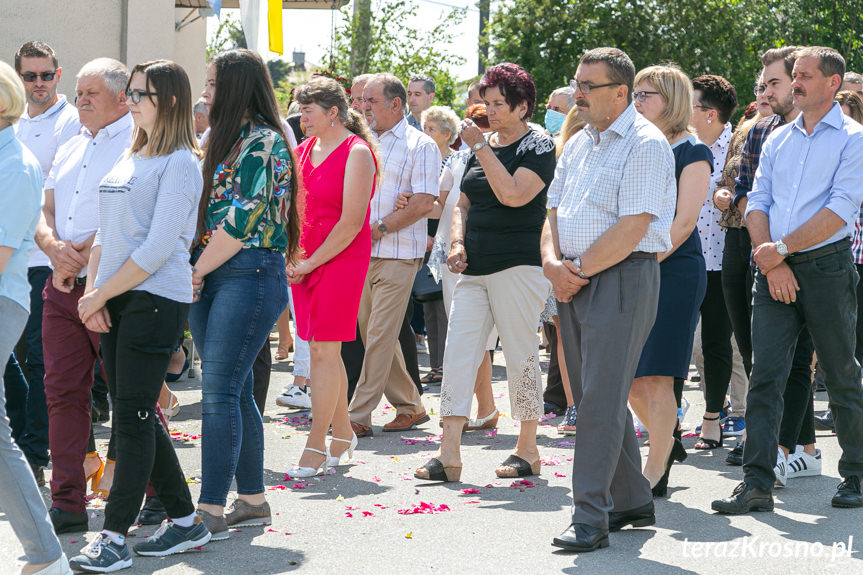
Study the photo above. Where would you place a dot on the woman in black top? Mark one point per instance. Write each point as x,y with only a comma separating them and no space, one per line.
496,228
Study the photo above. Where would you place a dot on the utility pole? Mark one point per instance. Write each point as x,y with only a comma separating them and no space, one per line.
362,37
484,9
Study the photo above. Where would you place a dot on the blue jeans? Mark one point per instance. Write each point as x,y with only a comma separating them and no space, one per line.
240,303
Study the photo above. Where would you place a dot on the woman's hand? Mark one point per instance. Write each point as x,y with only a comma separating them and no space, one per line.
470,134
457,260
297,273
722,198
90,305
197,285
100,322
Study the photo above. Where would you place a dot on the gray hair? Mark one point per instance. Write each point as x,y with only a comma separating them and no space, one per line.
200,107
853,78
113,72
393,88
362,78
566,92
446,120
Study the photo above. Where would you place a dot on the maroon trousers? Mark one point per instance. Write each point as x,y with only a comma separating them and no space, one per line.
70,351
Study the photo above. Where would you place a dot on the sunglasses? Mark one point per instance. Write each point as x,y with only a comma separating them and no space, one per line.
31,76
137,95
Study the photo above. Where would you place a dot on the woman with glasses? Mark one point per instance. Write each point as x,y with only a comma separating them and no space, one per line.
20,206
247,225
496,227
663,95
137,296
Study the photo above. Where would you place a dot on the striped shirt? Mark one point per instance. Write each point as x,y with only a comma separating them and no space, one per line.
410,162
148,212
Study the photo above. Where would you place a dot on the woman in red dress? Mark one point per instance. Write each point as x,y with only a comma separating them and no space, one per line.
339,171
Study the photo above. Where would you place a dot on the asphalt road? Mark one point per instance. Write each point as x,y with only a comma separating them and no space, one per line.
364,519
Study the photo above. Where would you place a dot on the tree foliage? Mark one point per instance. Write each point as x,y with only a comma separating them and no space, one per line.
721,37
391,45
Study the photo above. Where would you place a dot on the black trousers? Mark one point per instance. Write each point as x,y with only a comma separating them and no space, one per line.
554,392
798,415
827,305
136,353
737,282
715,343
858,349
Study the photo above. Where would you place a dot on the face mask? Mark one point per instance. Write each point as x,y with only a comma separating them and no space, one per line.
554,121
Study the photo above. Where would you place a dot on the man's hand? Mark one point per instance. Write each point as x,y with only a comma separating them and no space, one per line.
782,283
564,279
402,200
766,257
66,258
722,198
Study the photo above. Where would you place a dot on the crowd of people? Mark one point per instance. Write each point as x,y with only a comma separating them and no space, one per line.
639,229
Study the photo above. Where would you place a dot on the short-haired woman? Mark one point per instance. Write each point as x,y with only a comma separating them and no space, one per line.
339,171
137,296
663,95
20,206
247,224
496,227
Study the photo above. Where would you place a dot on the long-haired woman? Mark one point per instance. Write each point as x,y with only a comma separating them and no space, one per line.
137,296
247,224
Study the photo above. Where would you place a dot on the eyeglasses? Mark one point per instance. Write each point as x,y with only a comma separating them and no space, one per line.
137,95
758,89
702,107
31,76
585,88
642,95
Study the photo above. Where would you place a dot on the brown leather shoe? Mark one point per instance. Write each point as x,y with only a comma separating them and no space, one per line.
361,430
405,421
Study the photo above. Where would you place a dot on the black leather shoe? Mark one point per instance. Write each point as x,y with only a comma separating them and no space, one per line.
744,498
549,407
65,522
735,456
638,517
824,421
153,512
849,493
581,538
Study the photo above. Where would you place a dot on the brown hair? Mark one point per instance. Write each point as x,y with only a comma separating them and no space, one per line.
788,55
675,89
34,49
854,103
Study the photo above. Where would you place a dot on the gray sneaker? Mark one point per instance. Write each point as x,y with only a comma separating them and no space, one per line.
170,538
242,514
102,556
216,525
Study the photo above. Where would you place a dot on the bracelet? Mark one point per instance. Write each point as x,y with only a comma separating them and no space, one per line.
457,242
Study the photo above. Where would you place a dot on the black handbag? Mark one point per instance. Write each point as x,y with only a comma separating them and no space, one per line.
425,287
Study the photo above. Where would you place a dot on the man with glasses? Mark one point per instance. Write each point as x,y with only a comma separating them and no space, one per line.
410,163
601,257
49,121
66,231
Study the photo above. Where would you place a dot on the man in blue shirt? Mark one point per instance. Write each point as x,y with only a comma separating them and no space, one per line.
800,215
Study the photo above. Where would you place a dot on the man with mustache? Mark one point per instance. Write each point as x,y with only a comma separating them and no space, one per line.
69,221
800,214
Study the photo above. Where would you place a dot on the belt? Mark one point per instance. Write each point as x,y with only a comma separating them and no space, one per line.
834,248
641,256
81,281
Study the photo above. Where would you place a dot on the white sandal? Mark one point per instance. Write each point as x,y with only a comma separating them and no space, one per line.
311,471
336,461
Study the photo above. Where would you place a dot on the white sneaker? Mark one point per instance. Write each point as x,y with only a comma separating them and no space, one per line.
801,464
295,397
781,469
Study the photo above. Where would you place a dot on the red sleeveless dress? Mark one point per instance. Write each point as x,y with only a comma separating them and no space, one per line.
327,301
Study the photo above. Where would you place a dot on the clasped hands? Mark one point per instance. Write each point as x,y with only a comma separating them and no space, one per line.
564,278
68,259
780,279
93,313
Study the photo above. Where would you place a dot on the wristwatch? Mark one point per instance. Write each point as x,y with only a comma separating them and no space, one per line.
781,248
479,146
382,227
577,261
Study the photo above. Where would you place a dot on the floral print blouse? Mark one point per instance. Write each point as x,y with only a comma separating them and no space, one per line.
252,190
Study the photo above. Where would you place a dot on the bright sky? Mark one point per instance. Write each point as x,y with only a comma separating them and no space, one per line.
309,30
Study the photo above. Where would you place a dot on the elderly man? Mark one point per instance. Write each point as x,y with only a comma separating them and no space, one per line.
49,121
202,118
410,164
560,102
420,97
854,82
357,85
800,215
600,255
66,232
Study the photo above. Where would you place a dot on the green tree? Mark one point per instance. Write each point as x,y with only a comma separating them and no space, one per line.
391,45
229,36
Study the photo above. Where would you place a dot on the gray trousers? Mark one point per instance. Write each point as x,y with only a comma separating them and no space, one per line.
604,328
19,496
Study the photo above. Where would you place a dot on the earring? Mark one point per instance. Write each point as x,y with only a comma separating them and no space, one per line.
709,120
332,124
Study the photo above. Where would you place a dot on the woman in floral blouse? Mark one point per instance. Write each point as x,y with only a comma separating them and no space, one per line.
247,225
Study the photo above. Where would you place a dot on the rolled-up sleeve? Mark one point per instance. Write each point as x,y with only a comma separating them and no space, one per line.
846,195
761,196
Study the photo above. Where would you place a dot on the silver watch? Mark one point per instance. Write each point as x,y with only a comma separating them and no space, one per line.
479,146
577,261
781,248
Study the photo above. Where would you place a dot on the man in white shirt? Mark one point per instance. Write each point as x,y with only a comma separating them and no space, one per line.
410,163
65,233
49,121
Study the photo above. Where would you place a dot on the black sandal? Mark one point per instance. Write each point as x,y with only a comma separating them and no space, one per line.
521,467
703,443
434,470
435,375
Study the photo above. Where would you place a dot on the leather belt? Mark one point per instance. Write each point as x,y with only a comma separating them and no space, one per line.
834,248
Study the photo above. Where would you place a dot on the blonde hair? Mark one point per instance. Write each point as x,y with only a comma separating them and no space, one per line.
675,89
445,118
13,99
572,125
